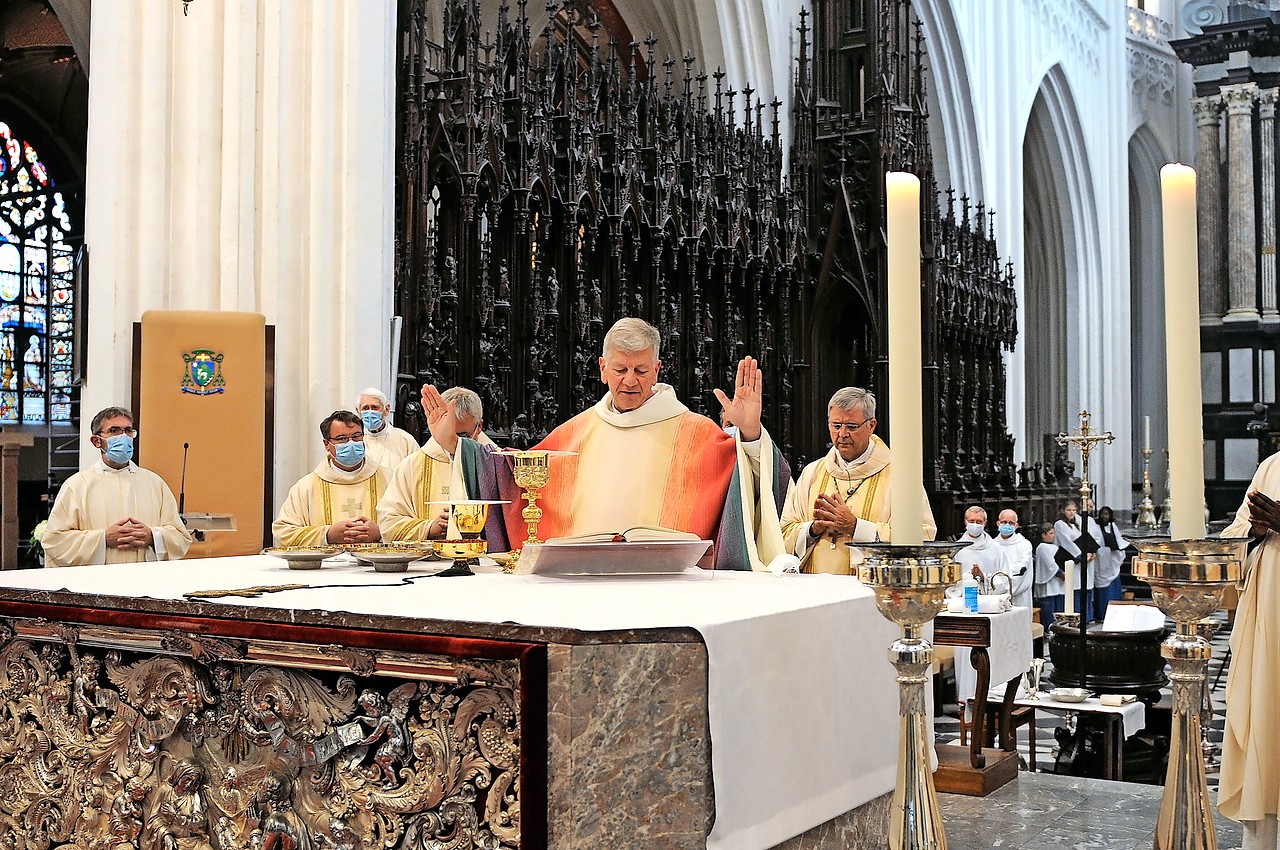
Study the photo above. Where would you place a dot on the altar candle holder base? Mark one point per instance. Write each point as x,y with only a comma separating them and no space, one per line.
1187,578
910,583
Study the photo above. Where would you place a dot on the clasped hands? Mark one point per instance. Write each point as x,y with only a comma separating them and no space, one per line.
358,530
129,535
830,515
1264,513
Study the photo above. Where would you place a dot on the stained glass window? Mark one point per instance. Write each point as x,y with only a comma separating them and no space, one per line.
37,290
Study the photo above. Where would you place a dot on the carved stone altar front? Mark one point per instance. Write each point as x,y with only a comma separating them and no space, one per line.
127,738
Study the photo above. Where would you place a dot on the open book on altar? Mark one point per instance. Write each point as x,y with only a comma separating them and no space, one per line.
643,550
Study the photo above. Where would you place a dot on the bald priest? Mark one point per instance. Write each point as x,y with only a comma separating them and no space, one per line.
643,459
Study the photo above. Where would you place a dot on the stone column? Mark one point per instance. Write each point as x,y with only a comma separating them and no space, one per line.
1267,233
241,157
1242,246
10,443
1209,208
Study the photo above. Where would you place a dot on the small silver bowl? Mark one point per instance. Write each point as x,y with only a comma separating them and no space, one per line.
1070,694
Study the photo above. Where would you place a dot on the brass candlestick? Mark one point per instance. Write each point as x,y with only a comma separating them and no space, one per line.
910,583
1187,578
1207,629
1147,508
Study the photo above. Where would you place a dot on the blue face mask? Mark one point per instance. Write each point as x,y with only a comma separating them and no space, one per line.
731,430
119,449
1006,529
349,454
372,419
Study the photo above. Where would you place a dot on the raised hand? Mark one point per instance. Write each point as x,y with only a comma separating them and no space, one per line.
743,409
442,418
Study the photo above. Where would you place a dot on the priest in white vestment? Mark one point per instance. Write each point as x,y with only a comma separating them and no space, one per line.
1015,558
980,558
114,512
1249,787
641,457
844,496
384,444
426,476
337,502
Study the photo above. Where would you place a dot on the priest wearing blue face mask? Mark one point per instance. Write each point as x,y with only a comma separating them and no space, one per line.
336,502
114,512
384,443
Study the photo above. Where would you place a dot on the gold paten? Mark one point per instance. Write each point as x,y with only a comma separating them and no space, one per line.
1187,579
110,740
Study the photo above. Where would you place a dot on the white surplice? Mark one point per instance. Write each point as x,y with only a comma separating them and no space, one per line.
101,495
389,446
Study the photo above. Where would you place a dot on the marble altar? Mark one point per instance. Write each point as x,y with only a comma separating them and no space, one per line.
707,710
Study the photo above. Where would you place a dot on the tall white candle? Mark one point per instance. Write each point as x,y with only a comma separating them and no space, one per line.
1069,604
1146,433
906,472
1182,330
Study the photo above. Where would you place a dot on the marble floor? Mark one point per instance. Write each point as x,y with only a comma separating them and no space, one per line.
1042,810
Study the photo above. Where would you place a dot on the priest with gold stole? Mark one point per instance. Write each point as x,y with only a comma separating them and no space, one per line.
114,512
644,459
337,502
426,476
844,497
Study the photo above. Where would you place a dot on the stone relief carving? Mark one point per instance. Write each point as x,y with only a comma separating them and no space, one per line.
123,750
1195,15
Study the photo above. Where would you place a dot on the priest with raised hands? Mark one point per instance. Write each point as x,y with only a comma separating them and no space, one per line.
844,496
114,512
337,502
644,459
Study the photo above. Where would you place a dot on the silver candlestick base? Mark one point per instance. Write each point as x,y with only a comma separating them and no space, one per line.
1187,578
910,584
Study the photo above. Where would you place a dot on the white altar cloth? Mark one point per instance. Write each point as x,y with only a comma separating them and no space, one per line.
1010,651
802,700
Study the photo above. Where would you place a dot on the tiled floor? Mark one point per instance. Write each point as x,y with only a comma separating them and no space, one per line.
1041,810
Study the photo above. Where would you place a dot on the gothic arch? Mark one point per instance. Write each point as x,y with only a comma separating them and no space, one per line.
1146,290
1062,263
957,161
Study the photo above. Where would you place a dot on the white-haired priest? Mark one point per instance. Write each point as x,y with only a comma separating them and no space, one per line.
385,444
644,459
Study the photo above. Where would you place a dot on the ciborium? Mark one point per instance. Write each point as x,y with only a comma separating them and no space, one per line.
1187,579
468,516
910,584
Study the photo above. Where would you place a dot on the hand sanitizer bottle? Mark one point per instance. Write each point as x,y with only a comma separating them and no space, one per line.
970,587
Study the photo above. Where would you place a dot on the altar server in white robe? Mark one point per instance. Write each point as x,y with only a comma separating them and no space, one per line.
337,502
406,512
844,496
1074,538
384,443
1249,788
1108,561
980,558
114,512
1048,589
1015,557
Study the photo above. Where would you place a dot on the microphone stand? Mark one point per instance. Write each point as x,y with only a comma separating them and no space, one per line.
182,494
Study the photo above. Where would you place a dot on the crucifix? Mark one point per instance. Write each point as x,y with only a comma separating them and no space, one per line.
1070,756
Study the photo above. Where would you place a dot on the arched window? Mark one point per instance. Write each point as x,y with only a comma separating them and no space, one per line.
37,290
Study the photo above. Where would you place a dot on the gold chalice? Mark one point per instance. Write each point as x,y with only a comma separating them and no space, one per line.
469,517
531,470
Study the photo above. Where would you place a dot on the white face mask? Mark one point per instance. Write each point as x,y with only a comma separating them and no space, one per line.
974,529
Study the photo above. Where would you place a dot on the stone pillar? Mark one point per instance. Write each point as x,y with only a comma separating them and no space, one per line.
1267,206
1242,246
240,157
10,443
1209,208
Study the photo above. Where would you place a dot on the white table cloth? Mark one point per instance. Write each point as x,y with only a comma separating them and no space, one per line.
1010,651
802,700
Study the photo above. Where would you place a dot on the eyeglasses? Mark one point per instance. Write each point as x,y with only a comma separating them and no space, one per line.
847,426
346,438
116,432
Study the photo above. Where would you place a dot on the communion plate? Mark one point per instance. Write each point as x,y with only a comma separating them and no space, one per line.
1069,694
303,557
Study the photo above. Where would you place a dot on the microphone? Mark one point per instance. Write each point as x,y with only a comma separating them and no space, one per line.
182,486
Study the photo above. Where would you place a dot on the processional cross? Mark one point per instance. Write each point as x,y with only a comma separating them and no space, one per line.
1085,439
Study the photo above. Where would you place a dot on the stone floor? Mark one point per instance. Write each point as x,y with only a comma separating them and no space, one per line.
1042,810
